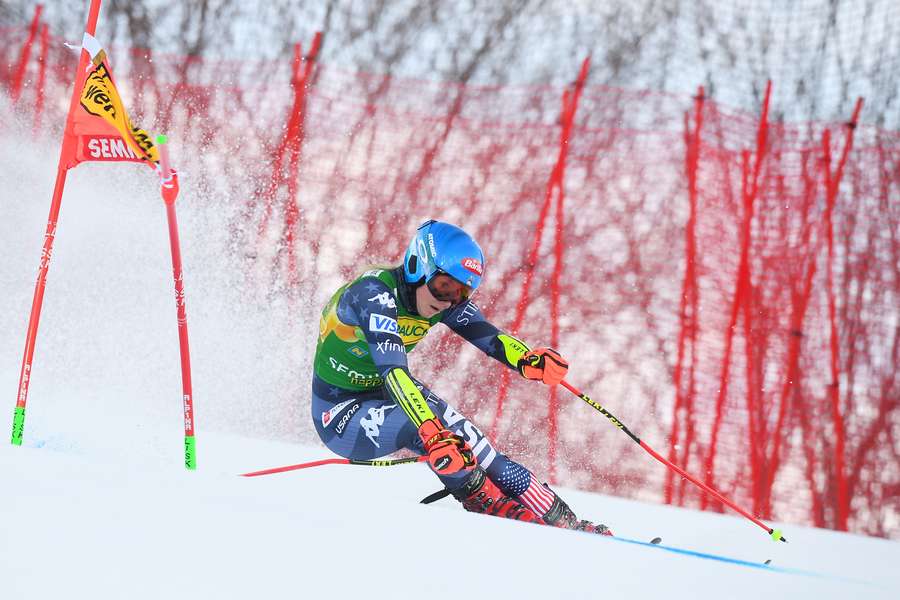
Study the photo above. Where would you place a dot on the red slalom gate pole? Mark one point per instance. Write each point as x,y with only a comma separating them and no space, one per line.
774,533
338,461
169,194
37,302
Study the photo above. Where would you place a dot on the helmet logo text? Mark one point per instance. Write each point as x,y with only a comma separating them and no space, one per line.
473,265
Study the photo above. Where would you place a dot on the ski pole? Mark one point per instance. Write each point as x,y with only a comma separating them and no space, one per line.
339,461
774,533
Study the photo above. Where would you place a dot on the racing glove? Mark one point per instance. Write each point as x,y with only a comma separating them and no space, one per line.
543,364
447,452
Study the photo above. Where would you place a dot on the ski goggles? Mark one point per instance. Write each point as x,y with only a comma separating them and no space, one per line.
445,288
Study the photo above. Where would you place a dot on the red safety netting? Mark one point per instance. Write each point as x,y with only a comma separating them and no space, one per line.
725,284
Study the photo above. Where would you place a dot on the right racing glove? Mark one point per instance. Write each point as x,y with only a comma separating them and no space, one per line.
447,452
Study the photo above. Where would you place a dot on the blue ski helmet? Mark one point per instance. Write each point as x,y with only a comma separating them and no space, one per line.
442,247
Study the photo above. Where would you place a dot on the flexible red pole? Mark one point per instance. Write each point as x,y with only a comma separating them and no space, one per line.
190,445
190,452
66,152
774,533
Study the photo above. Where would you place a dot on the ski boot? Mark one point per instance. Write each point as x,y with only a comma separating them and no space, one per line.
560,515
481,495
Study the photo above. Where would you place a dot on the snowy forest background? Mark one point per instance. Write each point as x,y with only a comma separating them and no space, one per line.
822,53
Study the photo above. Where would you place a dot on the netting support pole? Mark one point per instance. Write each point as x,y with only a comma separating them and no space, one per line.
41,80
22,67
292,212
569,107
531,260
832,186
278,177
688,325
291,142
749,189
801,292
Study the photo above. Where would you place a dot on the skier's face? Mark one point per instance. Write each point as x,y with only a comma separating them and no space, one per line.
427,305
447,289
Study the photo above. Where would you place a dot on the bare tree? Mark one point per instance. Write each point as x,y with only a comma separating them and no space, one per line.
821,54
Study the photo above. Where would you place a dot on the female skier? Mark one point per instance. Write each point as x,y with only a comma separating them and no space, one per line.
366,404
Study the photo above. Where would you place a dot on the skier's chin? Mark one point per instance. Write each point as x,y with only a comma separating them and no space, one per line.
429,309
427,305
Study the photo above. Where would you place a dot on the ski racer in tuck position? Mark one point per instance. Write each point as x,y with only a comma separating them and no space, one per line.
366,404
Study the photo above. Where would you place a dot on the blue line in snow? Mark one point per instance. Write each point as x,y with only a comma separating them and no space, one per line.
737,561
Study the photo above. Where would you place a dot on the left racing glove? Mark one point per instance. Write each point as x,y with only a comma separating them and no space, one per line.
543,364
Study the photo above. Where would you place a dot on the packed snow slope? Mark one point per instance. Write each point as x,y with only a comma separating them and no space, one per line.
97,505
119,518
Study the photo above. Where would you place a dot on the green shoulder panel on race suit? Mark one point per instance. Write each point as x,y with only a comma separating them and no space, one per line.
344,352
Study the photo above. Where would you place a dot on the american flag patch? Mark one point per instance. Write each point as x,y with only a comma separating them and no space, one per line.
518,481
538,498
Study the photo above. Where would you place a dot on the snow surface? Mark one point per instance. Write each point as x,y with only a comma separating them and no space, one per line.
122,519
97,505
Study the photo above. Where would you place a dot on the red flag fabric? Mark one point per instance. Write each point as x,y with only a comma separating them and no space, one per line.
100,126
